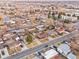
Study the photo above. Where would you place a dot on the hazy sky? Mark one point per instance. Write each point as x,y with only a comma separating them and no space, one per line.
39,0
53,0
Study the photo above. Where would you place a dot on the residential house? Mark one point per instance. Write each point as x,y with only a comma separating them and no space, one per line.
4,53
41,35
70,18
51,54
60,30
40,27
65,50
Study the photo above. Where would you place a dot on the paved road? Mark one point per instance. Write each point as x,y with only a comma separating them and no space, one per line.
39,47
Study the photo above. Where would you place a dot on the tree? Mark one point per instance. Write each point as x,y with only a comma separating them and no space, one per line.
68,15
78,17
53,17
66,21
59,15
11,13
53,14
6,46
74,15
0,18
29,38
49,14
62,13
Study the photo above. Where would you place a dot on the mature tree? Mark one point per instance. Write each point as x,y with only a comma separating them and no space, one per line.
78,17
6,46
11,13
62,13
53,17
53,14
74,15
49,14
66,21
68,15
59,16
29,38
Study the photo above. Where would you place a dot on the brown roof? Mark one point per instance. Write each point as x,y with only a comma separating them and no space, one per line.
12,43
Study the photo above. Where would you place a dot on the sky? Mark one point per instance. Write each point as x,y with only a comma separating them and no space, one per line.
40,0
53,0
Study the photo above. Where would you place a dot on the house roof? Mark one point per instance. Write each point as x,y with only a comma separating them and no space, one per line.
65,48
14,30
61,30
36,58
41,35
71,56
50,53
1,41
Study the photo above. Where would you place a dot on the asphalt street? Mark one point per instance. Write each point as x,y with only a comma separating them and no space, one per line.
41,46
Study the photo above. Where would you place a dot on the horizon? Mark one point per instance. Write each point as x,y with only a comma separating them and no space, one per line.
39,0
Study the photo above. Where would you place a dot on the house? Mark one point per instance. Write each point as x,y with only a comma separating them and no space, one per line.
61,30
69,18
1,41
6,19
40,27
51,54
58,23
36,57
76,25
1,20
12,22
41,35
14,46
50,32
4,27
13,43
70,27
49,22
74,44
16,30
4,53
65,50
17,38
31,29
7,36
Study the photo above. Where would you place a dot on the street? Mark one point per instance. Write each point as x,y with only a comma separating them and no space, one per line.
41,46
